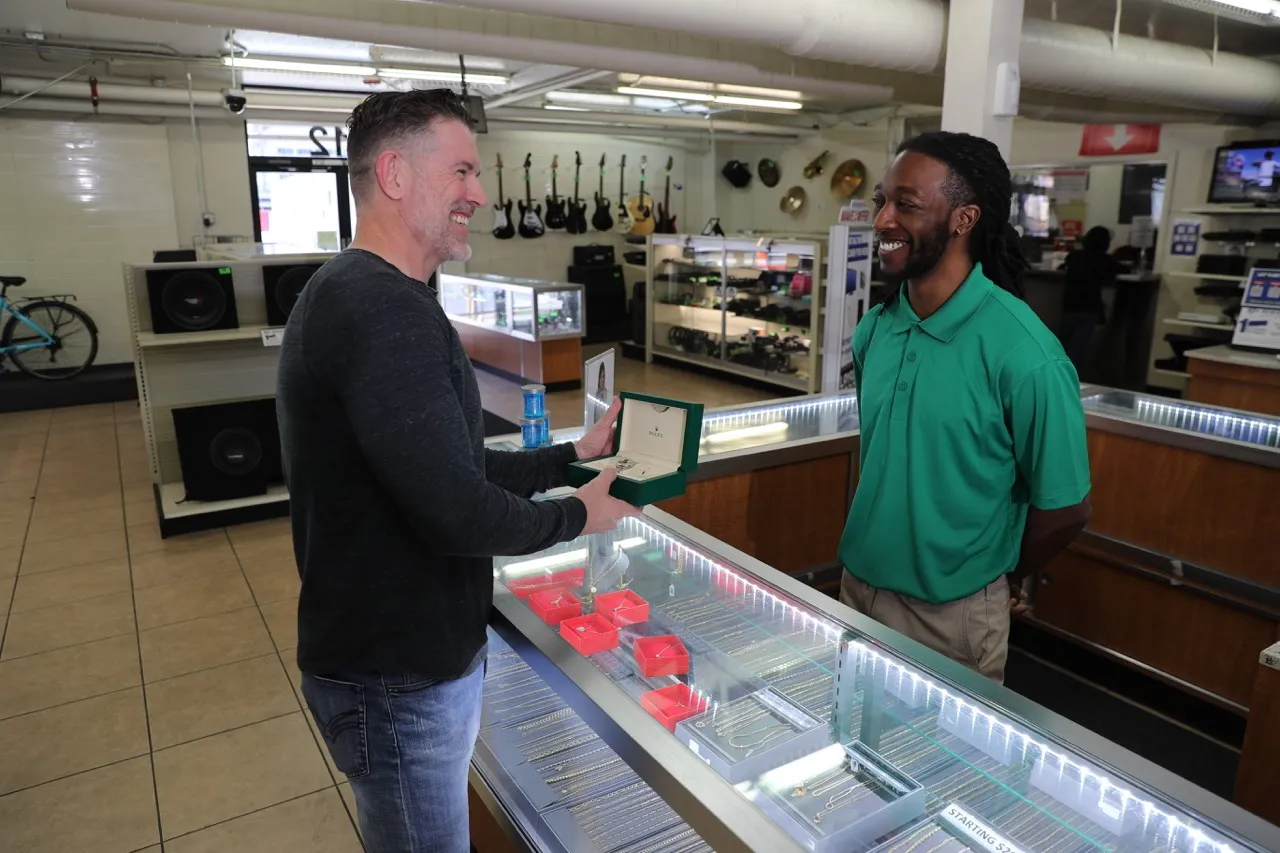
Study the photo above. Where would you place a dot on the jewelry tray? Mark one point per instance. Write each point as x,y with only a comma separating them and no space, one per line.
631,831
744,762
896,801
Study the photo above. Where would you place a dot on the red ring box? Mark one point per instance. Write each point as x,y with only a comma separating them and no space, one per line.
555,605
670,705
662,655
622,608
525,587
589,634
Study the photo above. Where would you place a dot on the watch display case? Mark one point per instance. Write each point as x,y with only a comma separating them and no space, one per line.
520,328
744,306
800,725
1244,427
524,308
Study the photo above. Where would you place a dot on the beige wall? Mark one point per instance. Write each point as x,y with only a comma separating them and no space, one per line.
226,178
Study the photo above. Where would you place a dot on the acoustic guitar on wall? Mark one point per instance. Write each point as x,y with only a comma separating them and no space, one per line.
601,219
577,223
623,223
642,207
530,214
555,205
666,222
503,227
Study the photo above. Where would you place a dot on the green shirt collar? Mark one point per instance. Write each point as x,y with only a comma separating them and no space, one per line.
954,313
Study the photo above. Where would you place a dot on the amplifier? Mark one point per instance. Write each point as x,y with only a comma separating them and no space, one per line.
594,255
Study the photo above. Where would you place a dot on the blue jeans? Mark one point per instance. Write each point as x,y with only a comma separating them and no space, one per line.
405,743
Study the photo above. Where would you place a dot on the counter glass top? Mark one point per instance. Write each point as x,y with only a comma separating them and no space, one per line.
831,732
1245,427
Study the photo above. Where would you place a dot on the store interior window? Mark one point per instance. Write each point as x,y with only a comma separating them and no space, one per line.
300,187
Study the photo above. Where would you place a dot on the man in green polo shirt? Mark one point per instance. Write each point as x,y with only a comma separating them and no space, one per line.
974,465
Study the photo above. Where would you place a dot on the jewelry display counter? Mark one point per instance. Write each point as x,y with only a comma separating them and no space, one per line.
1178,572
521,328
706,701
774,479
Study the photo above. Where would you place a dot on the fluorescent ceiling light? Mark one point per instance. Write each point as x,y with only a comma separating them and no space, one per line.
431,74
665,93
569,96
300,67
734,100
298,108
666,82
703,86
565,109
760,91
747,432
1265,12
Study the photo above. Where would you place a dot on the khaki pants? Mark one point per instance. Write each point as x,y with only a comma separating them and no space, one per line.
973,631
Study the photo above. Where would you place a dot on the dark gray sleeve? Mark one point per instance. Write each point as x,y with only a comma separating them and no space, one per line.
389,360
527,472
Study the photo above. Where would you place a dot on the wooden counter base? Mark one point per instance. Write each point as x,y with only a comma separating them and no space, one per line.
790,517
555,363
1234,386
1257,773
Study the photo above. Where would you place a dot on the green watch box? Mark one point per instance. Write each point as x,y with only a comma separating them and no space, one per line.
655,449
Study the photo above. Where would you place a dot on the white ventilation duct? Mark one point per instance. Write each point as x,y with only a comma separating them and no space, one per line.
903,35
107,92
519,48
117,108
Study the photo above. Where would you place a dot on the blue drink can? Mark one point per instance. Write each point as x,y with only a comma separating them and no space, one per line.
535,400
531,432
545,430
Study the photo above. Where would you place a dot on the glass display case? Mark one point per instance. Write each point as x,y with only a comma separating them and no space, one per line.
1246,427
523,308
743,305
771,718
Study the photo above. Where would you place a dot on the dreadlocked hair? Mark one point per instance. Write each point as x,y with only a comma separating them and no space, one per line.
979,175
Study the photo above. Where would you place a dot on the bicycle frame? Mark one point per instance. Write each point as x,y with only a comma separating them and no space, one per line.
12,308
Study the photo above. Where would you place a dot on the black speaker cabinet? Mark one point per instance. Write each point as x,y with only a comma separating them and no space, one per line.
283,285
196,299
228,450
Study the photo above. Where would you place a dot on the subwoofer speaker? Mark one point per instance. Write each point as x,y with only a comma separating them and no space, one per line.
195,299
228,450
283,284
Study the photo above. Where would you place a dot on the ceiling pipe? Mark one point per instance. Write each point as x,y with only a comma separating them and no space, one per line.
65,105
497,39
107,92
641,119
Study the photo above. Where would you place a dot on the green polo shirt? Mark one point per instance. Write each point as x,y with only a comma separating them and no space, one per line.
967,418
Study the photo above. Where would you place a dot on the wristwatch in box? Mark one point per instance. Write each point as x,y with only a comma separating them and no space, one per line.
655,448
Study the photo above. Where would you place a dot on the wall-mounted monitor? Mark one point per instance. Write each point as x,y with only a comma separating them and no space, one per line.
1246,173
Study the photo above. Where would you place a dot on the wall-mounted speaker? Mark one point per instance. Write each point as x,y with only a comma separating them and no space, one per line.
282,284
194,299
228,450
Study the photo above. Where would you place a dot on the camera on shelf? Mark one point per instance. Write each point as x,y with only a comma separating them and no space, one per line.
235,100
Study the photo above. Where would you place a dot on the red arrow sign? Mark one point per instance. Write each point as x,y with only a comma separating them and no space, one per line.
1102,140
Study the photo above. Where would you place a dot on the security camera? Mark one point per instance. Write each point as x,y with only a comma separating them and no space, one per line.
235,100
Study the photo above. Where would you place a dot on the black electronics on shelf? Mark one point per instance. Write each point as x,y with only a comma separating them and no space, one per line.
1222,264
605,291
282,285
192,299
228,450
593,255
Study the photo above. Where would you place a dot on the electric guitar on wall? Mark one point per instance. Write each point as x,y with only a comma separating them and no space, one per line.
642,223
555,204
503,228
601,219
530,215
623,223
577,223
666,222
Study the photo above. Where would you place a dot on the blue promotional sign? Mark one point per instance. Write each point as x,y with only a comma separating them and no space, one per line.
1186,238
1258,325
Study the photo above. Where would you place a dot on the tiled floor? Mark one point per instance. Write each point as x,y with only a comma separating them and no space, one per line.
148,692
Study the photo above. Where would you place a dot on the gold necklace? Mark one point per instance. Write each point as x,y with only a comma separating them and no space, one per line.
919,840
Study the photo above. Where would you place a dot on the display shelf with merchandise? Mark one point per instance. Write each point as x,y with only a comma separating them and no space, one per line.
743,306
910,741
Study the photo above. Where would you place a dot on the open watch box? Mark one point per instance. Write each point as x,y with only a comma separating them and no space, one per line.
655,448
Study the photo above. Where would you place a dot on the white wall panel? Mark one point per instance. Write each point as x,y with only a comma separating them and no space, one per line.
80,198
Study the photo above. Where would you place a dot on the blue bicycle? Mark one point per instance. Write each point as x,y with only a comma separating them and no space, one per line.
47,337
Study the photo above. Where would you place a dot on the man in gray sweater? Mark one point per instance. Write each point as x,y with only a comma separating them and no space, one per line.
397,505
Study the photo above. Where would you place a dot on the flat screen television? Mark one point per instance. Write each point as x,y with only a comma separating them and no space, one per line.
1246,173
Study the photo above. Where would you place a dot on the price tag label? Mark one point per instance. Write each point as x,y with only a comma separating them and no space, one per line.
978,834
272,337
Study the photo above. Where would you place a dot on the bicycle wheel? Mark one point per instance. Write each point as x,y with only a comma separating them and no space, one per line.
74,334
